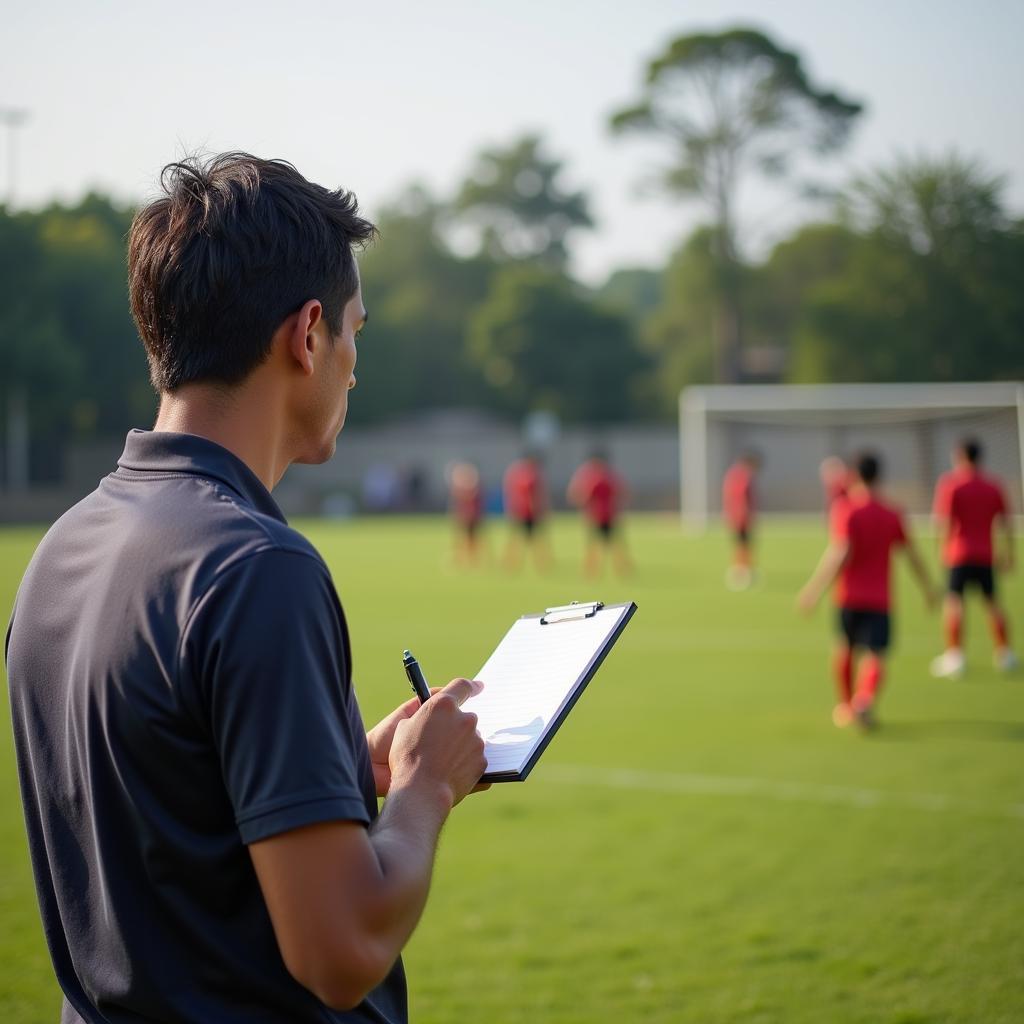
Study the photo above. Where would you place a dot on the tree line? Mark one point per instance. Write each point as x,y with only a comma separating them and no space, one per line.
912,274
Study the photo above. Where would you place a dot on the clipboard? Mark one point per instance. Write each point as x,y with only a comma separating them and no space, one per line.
534,678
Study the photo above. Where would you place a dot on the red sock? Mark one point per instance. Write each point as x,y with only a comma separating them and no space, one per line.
842,666
998,621
954,627
869,679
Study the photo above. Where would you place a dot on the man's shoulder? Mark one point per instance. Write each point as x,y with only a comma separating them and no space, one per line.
875,510
180,533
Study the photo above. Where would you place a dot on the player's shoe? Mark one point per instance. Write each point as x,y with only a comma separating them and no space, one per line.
842,715
949,665
738,577
865,717
1005,660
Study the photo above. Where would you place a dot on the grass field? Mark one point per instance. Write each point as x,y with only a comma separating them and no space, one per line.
699,843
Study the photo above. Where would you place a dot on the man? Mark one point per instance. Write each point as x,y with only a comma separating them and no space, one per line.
865,531
968,503
526,504
835,480
200,796
738,507
598,491
466,503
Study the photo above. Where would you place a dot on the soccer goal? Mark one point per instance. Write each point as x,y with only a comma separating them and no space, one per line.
794,427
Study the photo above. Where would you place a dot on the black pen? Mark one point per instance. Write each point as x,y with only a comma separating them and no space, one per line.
415,674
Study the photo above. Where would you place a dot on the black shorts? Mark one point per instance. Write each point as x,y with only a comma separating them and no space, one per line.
865,628
604,530
527,524
960,576
742,534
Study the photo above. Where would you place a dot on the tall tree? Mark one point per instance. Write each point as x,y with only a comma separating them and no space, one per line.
727,104
513,198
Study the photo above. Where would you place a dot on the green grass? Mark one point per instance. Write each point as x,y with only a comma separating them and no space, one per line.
698,844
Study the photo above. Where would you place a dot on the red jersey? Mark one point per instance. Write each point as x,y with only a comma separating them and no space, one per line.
524,490
872,529
738,495
834,490
970,501
598,489
468,504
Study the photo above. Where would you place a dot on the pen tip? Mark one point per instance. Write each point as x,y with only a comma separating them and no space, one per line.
406,654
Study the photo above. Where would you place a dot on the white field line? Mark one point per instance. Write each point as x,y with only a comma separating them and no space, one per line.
771,789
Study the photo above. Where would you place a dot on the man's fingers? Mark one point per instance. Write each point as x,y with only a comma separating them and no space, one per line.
462,689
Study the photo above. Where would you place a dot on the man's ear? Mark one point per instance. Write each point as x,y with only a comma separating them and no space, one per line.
301,340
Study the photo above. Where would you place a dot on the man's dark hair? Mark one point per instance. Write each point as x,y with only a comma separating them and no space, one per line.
971,447
233,246
868,466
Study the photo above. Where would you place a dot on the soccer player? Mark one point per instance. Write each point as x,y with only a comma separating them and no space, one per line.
865,531
526,505
834,474
968,503
466,501
200,794
599,492
738,507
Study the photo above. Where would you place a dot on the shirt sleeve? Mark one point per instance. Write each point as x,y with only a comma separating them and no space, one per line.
1002,508
900,534
266,648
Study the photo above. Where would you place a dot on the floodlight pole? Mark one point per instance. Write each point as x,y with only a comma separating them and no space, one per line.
13,118
17,437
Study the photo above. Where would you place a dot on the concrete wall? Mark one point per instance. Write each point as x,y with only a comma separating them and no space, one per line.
648,457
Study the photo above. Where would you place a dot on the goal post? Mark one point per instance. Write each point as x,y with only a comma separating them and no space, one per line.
794,427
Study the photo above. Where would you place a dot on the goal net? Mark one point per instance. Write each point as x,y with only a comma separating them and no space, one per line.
794,427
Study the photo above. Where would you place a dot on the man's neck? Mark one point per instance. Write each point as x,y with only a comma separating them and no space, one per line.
243,423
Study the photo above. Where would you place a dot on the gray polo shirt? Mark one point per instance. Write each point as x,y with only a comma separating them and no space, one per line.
180,683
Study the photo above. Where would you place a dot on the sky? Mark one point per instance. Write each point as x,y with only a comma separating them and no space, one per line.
375,96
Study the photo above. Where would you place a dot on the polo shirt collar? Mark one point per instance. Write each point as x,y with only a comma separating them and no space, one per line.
151,451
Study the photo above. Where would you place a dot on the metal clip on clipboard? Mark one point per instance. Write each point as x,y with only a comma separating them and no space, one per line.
568,612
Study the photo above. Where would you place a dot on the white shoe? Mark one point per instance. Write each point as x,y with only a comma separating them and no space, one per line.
738,577
949,665
1005,659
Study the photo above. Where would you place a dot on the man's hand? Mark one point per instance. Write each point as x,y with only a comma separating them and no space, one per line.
806,600
438,746
380,738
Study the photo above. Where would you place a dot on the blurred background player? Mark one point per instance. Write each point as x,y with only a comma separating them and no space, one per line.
599,492
835,476
968,503
865,529
738,506
526,503
466,503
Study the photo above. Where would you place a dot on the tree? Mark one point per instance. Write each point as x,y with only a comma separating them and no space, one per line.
930,290
678,332
419,297
513,199
541,344
634,291
36,361
727,104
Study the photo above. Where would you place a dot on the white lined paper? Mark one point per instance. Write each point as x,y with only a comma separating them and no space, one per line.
529,679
